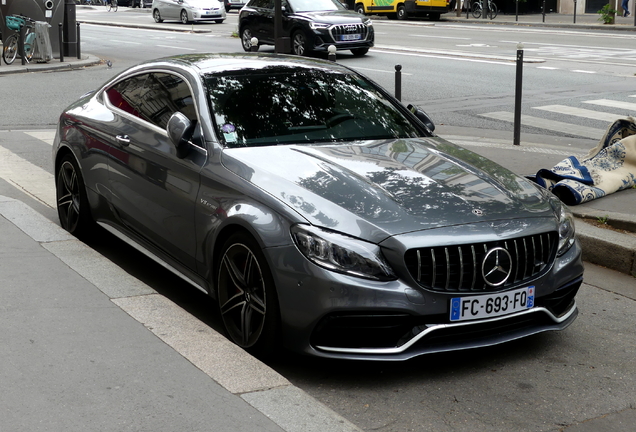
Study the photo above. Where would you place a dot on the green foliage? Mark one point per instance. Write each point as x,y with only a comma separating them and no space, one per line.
602,219
607,14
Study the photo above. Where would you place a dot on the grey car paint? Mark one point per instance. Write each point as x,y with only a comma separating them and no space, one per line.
363,189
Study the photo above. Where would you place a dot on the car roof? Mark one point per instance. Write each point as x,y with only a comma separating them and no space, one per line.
215,63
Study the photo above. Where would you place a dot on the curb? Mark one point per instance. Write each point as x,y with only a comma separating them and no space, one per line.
607,248
231,367
53,65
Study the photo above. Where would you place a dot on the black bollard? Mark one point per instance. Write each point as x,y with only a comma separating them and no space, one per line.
518,87
60,35
398,82
21,44
79,54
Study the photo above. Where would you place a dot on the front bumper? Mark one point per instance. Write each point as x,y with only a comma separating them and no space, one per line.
332,315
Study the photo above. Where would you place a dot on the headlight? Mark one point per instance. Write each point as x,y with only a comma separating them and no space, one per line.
368,23
315,25
341,253
566,227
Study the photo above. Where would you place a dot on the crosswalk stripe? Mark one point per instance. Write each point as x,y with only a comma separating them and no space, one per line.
27,177
613,104
46,136
580,112
552,125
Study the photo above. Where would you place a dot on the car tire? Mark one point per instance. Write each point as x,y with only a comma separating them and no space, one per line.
359,52
434,16
70,195
157,16
401,13
246,295
246,39
183,17
360,8
299,44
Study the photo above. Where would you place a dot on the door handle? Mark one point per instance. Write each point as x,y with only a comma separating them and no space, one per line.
123,139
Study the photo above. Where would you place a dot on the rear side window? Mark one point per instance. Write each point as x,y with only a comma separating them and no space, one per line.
153,97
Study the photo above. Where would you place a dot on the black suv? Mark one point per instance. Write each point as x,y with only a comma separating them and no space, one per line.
312,25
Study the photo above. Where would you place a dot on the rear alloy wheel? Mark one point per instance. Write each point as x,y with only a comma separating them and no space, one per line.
157,16
70,195
299,44
184,17
246,39
246,295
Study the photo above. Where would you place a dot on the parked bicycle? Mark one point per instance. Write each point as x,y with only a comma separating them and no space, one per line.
10,49
111,5
478,9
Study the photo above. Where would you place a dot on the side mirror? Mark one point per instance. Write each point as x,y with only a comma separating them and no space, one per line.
180,130
422,116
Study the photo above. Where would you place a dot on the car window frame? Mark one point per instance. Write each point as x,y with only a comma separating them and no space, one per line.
105,100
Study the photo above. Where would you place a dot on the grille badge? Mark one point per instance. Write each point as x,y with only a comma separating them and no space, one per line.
496,266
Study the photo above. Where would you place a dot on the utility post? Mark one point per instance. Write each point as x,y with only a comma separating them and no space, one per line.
282,44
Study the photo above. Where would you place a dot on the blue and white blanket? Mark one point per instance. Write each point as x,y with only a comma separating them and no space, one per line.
607,168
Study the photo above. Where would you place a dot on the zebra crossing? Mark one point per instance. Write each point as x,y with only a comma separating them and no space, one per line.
578,128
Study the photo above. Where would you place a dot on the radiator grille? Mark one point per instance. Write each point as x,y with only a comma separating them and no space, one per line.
459,268
340,32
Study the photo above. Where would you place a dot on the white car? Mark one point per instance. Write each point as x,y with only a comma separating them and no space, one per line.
188,11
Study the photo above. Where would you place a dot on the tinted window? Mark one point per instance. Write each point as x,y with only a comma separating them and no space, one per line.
153,97
126,94
284,105
315,5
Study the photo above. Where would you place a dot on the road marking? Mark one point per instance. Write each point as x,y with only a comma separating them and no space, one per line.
613,104
580,112
126,42
46,136
380,70
27,177
552,125
177,48
583,71
469,57
547,67
439,37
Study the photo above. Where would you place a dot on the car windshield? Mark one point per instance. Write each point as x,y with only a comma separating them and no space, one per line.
294,105
315,5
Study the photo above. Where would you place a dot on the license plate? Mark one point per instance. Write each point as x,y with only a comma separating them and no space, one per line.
491,305
350,37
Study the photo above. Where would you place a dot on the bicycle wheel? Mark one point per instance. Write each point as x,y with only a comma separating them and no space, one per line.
476,10
492,11
29,45
10,49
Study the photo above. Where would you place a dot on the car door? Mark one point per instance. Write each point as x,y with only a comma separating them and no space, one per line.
153,189
171,9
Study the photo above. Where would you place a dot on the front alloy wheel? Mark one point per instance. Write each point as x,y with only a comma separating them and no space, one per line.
299,44
246,295
157,16
72,202
246,39
184,17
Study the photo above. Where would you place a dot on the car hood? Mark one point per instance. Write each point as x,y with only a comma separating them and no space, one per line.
333,17
377,189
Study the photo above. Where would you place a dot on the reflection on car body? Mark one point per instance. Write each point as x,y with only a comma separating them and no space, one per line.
319,212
